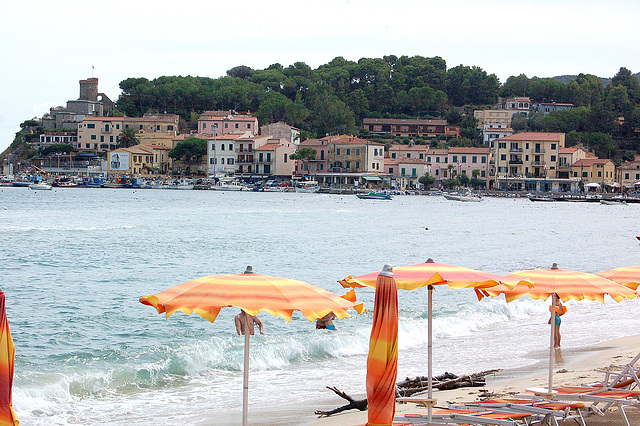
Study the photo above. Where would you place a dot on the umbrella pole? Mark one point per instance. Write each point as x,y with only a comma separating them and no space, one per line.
552,340
429,354
245,381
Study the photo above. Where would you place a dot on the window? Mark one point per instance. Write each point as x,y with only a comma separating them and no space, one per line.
236,125
286,157
393,155
248,125
584,174
117,126
408,155
483,160
437,159
91,126
357,151
226,125
626,175
553,146
157,127
110,138
357,164
553,158
261,157
210,160
455,158
101,138
474,159
93,137
402,171
502,145
338,151
348,151
464,158
230,161
170,127
213,147
222,161
413,172
503,157
421,156
599,173
428,159
222,147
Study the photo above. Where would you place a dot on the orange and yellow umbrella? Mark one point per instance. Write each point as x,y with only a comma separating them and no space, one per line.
628,276
430,274
253,294
563,284
382,362
7,358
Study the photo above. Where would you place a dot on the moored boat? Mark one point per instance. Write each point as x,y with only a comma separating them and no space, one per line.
40,186
374,196
307,186
463,198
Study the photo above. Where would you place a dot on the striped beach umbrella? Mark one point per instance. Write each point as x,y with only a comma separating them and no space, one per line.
7,358
253,293
430,274
382,362
559,284
628,276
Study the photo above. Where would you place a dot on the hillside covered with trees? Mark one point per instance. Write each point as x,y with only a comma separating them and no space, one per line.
335,97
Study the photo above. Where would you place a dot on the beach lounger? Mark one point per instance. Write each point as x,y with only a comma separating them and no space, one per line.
471,416
624,378
619,397
551,411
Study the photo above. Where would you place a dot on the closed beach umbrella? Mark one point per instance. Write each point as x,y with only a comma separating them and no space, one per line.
382,362
563,284
628,276
430,274
7,357
253,294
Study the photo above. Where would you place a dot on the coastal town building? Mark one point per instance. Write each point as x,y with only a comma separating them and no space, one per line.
628,174
490,134
473,162
90,103
49,138
528,161
155,129
273,158
518,105
548,107
222,155
410,127
161,163
319,164
281,130
99,134
596,174
348,153
102,134
404,172
408,151
569,156
223,122
493,118
438,158
130,161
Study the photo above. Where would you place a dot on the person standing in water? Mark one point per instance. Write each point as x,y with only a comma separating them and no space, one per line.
560,310
243,318
326,322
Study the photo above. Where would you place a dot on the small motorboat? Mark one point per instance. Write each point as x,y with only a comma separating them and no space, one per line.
40,186
463,198
374,196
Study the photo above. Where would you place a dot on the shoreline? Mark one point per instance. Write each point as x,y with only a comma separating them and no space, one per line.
573,368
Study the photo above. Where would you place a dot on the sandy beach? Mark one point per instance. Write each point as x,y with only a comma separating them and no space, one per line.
572,368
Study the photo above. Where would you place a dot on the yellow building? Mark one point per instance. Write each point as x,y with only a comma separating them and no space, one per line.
352,154
130,161
528,154
629,173
102,134
595,173
493,118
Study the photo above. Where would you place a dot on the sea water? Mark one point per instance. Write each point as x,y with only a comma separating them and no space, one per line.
74,263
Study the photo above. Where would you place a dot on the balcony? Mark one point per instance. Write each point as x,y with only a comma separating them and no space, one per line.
515,161
515,150
241,150
537,163
264,161
538,151
248,160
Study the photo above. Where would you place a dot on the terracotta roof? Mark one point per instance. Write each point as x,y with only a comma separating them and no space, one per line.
352,140
534,136
498,129
225,137
437,151
591,161
403,121
135,150
313,142
401,147
268,147
104,118
404,160
568,150
468,150
160,147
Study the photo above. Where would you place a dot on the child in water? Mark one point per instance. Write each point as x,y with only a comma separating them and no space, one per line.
326,322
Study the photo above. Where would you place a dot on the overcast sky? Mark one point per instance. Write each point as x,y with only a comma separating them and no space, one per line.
47,47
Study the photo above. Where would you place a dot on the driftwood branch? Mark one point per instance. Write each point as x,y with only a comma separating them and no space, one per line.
352,405
411,386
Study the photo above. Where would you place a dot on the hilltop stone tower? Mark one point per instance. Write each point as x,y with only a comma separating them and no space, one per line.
89,90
